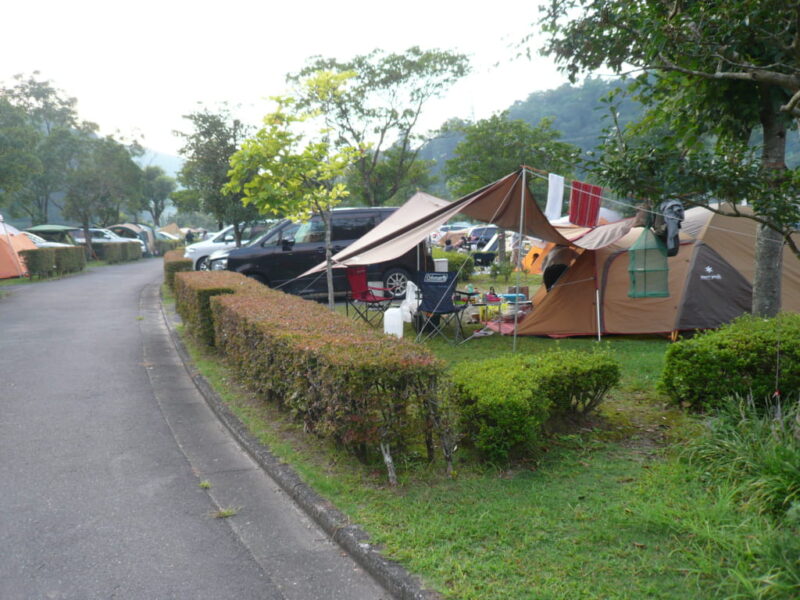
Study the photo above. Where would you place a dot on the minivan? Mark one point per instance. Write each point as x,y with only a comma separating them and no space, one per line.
199,252
290,249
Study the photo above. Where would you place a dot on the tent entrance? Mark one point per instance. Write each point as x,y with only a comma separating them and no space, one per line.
647,267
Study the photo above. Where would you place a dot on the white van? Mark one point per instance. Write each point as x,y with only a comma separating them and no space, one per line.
199,252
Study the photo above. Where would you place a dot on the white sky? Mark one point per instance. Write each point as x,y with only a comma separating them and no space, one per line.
137,67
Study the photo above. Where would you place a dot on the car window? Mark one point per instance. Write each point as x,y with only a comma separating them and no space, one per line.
351,227
310,232
285,233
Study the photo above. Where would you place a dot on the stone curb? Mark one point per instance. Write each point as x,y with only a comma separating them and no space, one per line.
391,575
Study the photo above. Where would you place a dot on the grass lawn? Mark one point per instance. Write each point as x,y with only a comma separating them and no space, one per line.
603,512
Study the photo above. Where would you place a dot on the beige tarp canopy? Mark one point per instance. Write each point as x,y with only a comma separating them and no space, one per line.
507,203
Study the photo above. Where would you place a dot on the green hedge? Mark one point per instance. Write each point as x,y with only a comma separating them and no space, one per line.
738,359
70,259
117,252
345,381
40,262
131,251
500,409
174,263
506,401
457,262
164,246
193,291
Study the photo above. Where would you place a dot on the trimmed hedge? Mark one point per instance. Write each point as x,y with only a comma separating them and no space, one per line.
164,246
738,359
117,252
345,381
193,291
174,263
501,410
506,401
459,262
40,262
70,259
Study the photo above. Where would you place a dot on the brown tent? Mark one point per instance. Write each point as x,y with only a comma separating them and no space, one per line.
709,283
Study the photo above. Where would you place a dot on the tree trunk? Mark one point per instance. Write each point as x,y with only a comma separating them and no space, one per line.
326,217
769,245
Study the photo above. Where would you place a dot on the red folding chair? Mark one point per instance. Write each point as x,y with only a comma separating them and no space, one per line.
361,296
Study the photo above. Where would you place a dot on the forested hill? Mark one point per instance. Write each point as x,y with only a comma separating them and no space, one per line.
577,112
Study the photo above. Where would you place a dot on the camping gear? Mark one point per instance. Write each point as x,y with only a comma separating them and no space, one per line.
437,310
584,204
709,283
366,304
393,322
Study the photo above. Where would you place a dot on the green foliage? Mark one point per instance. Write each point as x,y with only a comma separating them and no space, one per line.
157,188
343,380
18,160
377,109
70,259
40,262
116,252
502,269
494,147
575,382
501,409
459,262
759,449
193,292
208,149
738,359
174,262
164,246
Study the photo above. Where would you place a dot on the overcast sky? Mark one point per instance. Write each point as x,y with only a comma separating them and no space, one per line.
137,67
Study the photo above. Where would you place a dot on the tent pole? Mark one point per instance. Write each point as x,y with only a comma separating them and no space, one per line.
597,304
519,253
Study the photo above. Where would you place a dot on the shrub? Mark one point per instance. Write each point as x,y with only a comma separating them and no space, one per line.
457,262
174,263
70,259
193,291
737,359
575,382
108,252
164,246
501,409
756,448
40,262
345,381
131,251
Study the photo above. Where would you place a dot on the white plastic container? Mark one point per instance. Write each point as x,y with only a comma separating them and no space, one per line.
393,322
440,265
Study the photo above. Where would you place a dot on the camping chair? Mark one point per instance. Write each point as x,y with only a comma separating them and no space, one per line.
436,309
367,305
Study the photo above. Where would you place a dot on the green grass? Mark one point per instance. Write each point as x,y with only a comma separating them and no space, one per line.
606,512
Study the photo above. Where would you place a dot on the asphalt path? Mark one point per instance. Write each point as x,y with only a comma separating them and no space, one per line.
104,441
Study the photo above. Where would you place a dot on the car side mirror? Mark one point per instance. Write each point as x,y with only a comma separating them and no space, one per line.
287,244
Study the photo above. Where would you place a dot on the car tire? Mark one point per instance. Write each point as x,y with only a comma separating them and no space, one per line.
203,264
396,280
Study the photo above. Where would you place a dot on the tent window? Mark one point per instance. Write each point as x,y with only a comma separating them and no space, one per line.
647,267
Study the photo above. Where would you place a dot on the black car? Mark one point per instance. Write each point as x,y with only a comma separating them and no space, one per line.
289,249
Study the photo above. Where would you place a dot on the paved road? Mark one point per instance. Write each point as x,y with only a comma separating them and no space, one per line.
103,442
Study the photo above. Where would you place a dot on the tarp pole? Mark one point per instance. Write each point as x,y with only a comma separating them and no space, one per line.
597,303
519,253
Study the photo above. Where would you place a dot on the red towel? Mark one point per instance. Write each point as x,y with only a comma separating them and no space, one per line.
584,204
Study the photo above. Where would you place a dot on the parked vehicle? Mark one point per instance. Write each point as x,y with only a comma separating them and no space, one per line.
105,235
199,252
43,243
447,228
167,237
290,249
481,235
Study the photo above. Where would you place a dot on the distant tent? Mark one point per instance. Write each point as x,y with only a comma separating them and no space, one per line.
12,242
173,229
709,284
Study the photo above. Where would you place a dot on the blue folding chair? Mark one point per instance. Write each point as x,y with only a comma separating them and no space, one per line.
437,312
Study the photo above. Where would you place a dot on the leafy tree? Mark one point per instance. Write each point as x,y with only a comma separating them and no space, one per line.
54,118
157,188
208,150
282,172
378,101
494,147
104,177
18,160
726,62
